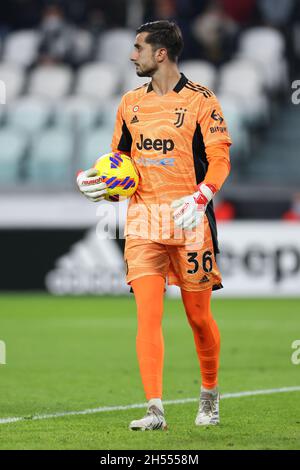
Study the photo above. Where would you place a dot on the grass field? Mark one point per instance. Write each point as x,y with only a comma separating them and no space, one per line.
68,354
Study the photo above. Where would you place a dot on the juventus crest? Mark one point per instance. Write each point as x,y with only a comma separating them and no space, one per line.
180,113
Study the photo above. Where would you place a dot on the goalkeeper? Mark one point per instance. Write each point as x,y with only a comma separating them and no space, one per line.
175,132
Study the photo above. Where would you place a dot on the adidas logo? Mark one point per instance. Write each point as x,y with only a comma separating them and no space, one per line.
134,120
204,279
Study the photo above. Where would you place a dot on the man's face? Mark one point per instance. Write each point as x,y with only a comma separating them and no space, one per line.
143,57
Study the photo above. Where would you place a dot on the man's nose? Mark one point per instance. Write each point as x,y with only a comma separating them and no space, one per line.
133,56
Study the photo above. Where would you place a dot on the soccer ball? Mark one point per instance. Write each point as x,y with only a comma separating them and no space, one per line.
119,174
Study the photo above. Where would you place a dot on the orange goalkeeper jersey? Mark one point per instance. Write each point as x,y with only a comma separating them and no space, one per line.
172,139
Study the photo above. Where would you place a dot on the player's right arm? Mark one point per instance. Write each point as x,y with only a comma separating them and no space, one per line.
89,183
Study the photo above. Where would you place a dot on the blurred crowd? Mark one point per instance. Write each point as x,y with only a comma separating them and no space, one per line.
73,45
210,27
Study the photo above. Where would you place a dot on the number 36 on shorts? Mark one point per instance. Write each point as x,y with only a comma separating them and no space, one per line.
194,270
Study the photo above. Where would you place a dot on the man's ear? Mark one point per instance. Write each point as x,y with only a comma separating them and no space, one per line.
161,54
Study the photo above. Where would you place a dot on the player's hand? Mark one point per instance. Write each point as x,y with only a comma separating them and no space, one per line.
91,185
189,210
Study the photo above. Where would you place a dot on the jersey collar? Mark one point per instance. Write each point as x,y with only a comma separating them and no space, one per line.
178,87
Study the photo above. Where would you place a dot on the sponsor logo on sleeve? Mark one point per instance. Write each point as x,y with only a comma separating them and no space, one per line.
218,118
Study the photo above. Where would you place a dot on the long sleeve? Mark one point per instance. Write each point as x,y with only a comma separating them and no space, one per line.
218,164
216,140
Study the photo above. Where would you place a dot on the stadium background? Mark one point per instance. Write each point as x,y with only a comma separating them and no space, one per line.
65,65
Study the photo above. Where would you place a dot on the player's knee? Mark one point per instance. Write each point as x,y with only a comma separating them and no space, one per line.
200,323
149,319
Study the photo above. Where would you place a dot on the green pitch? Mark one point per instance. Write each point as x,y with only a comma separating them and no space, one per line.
68,354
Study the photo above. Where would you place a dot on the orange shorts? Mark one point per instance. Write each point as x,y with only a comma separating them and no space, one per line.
191,268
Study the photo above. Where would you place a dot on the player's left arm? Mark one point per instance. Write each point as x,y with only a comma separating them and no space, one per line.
189,211
216,141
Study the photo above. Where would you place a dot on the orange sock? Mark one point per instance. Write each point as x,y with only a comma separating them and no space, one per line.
206,334
149,293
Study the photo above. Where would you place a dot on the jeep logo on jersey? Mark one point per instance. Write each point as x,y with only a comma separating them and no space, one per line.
166,145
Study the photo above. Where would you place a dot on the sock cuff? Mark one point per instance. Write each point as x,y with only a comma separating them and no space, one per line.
212,391
156,402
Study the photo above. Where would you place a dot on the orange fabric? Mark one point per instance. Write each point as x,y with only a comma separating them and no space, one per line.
206,334
149,291
160,134
219,165
191,267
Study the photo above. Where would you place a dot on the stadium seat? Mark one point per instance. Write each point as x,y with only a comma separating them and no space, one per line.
115,47
51,157
77,111
235,120
83,45
200,72
244,81
109,111
50,81
132,80
2,115
263,41
97,80
95,144
296,40
266,46
29,113
13,144
14,79
21,47
242,76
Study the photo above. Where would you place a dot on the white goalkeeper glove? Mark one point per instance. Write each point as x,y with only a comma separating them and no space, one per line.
91,185
190,210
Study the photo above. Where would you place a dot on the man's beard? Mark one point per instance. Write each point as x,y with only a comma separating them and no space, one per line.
149,72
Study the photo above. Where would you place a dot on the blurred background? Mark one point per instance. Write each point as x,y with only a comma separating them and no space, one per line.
65,65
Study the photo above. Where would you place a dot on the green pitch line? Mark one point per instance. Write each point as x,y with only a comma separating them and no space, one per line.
104,409
65,354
